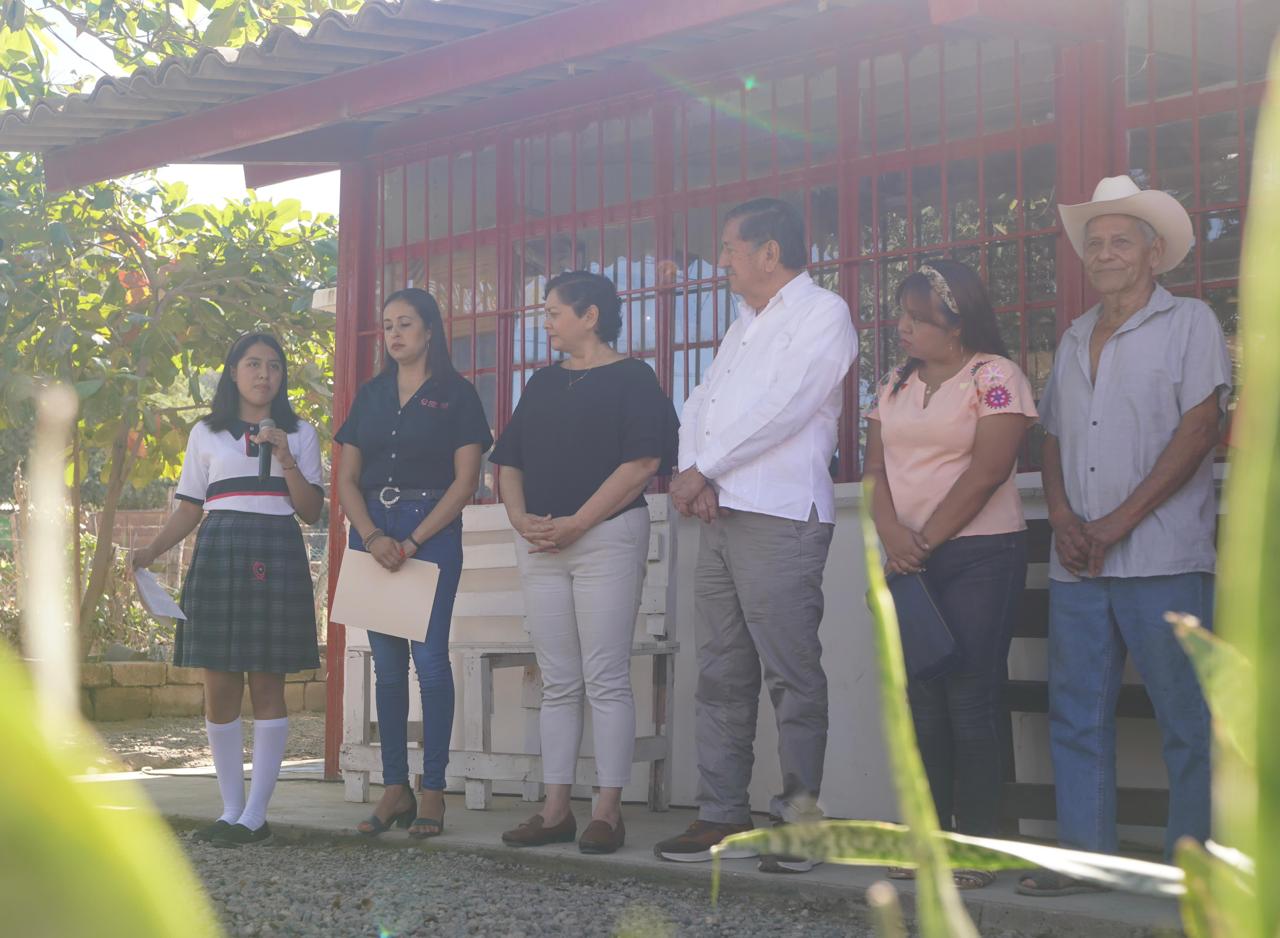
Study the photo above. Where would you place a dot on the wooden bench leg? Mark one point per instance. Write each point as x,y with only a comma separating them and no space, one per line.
664,667
531,703
355,787
477,690
357,719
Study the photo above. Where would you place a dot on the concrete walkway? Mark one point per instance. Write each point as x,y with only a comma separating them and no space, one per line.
306,808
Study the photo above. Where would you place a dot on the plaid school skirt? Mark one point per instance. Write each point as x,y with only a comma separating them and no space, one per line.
248,597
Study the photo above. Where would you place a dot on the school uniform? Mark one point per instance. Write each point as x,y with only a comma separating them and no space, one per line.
406,457
248,596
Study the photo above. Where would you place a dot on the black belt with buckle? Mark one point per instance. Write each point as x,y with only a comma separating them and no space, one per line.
389,495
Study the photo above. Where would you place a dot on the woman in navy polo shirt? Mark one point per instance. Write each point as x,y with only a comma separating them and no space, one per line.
411,454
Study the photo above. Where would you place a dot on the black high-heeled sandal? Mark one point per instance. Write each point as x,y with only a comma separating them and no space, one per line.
427,826
401,819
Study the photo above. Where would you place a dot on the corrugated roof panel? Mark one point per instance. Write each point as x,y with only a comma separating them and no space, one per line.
334,43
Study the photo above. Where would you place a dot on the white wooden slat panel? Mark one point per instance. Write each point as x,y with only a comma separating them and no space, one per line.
488,556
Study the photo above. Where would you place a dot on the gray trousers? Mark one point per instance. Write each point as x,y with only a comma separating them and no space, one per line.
758,604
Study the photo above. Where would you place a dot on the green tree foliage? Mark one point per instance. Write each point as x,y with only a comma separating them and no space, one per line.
136,32
130,294
126,290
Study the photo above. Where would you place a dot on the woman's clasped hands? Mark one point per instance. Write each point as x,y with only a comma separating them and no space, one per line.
546,534
907,550
390,553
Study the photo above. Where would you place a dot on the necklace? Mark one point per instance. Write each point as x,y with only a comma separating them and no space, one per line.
576,379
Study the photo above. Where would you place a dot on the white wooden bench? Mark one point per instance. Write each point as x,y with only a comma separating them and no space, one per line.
487,635
480,766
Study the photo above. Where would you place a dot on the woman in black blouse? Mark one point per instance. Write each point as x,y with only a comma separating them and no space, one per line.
410,461
584,442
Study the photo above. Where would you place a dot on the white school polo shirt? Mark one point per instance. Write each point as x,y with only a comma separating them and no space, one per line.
220,469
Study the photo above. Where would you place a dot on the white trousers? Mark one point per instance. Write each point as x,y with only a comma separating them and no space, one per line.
580,609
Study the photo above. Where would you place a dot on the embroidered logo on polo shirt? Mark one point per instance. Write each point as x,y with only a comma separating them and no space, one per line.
259,571
434,405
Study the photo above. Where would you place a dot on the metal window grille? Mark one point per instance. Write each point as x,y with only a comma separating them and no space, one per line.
904,149
1187,112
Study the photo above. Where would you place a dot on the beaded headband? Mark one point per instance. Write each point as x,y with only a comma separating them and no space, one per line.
940,287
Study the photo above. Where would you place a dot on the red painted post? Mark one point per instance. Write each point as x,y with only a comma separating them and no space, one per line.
356,220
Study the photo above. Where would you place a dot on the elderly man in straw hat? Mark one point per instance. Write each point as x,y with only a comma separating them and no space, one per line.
1132,413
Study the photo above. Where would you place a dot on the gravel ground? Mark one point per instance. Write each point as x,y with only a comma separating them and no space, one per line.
281,889
179,742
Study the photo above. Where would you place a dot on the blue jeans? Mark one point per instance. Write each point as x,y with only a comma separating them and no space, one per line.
977,582
1092,623
430,657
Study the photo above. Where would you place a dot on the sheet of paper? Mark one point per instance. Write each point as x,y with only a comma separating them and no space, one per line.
371,597
155,598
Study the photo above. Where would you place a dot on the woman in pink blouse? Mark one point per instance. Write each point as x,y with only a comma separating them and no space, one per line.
942,448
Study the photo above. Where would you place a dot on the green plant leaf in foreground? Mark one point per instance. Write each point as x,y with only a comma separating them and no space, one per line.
879,843
1228,681
939,911
83,858
1221,898
1248,589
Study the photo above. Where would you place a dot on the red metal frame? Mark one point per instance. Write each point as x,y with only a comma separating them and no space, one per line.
677,343
1188,106
1086,132
355,284
1081,19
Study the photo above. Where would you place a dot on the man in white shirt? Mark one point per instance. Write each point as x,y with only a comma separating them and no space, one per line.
757,438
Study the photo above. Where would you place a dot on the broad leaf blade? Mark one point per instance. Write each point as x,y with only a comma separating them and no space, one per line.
879,843
1221,900
1247,815
940,912
1228,681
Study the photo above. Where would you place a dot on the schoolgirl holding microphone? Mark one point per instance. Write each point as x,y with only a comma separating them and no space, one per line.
248,596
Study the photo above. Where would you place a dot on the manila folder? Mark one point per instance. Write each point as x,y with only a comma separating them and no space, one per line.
369,596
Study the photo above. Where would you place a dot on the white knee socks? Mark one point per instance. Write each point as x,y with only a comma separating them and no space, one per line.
269,738
226,742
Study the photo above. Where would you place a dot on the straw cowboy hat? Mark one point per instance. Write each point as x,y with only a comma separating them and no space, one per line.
1120,195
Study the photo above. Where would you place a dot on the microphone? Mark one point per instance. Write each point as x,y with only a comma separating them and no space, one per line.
264,451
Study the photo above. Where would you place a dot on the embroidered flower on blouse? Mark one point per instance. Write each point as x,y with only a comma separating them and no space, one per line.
998,397
259,571
991,373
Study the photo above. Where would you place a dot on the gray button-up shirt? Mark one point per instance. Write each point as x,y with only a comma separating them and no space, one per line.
1169,357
